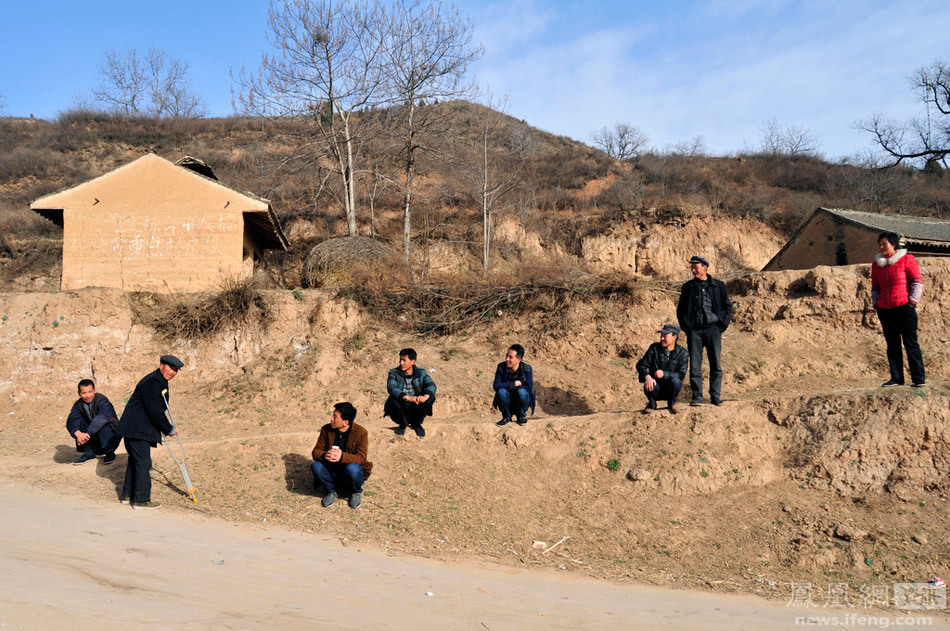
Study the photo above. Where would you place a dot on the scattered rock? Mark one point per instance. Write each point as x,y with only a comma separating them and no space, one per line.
849,533
921,539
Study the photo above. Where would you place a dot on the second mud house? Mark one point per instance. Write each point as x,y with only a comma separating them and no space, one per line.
155,225
832,236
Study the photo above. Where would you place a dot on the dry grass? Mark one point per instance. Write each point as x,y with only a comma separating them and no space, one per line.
335,261
239,304
450,307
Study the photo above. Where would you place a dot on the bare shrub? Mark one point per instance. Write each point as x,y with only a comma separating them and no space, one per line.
335,261
449,307
239,304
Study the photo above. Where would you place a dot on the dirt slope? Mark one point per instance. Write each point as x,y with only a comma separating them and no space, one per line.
809,473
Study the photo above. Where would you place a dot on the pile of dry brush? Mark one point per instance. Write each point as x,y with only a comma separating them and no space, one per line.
239,304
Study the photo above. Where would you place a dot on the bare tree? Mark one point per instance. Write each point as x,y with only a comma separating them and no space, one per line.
323,68
427,53
155,84
623,141
789,141
491,166
924,140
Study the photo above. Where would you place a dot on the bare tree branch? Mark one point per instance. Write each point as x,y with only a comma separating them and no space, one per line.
155,84
623,141
924,140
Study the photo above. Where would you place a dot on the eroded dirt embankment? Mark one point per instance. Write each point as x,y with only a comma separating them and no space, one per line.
809,472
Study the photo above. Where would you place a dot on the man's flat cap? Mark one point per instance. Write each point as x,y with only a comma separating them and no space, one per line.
670,328
699,259
172,361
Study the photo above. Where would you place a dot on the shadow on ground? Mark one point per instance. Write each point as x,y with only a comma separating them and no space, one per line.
560,402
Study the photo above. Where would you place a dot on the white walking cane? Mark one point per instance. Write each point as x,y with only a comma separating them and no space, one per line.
180,463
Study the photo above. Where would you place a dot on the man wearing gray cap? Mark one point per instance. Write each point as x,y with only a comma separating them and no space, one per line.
663,369
704,312
142,424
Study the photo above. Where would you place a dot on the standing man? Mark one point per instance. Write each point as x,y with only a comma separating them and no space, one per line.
411,394
142,424
514,383
663,369
91,422
704,312
339,457
896,287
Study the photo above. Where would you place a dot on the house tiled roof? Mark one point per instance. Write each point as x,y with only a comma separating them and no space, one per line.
924,230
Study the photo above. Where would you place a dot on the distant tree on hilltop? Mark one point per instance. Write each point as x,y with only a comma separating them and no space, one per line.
924,140
623,141
154,84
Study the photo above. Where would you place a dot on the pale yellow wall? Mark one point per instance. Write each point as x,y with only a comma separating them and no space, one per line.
182,250
153,226
817,245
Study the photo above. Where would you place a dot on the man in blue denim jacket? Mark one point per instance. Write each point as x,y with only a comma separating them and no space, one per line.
514,385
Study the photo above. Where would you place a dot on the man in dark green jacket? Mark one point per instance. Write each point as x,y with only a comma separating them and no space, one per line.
411,394
142,424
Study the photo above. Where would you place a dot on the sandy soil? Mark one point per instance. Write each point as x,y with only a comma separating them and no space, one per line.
810,473
105,566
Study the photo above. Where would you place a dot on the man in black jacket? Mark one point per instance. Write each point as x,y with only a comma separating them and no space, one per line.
704,312
142,424
91,422
663,369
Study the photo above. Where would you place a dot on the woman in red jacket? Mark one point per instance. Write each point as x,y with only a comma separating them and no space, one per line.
896,288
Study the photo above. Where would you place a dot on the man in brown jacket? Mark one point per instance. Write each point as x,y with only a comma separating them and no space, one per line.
339,457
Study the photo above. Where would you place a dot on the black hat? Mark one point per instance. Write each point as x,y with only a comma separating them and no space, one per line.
670,328
172,361
699,259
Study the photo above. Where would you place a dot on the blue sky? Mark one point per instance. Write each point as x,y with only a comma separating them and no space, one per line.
715,68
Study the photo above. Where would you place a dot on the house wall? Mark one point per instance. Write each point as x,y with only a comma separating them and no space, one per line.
152,226
183,249
827,242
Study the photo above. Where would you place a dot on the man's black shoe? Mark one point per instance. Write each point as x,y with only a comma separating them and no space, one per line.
648,409
328,499
521,420
399,431
892,382
716,401
85,457
503,421
696,402
920,384
419,431
109,459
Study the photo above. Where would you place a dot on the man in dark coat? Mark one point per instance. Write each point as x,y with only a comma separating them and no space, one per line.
704,312
514,387
340,457
142,424
411,394
663,369
91,422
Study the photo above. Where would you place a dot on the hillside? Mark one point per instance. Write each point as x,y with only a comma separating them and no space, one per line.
810,472
567,202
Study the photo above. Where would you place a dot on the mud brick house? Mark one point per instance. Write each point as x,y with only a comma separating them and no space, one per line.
155,225
832,236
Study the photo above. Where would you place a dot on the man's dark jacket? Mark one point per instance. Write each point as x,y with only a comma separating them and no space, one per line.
421,382
674,362
102,413
690,308
505,379
144,416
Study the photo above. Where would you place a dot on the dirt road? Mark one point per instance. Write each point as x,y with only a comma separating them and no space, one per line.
72,564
